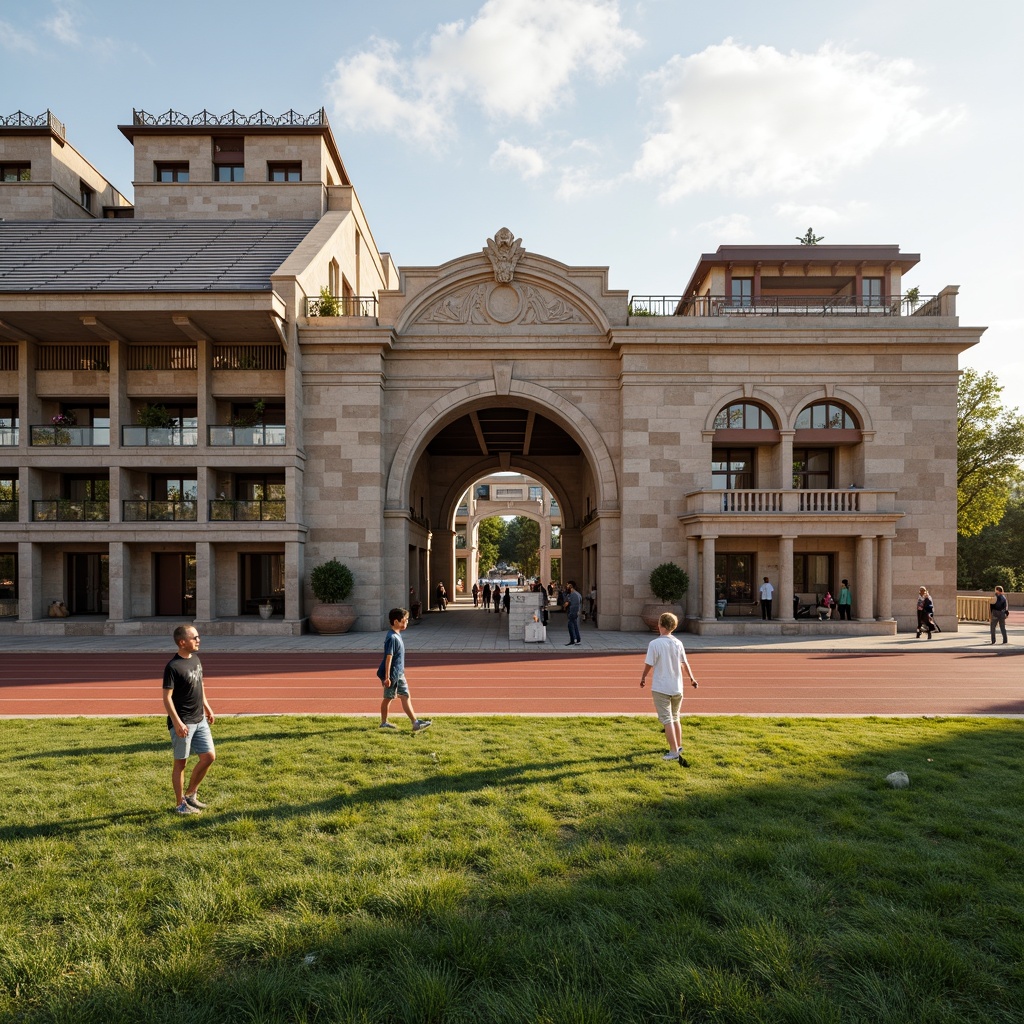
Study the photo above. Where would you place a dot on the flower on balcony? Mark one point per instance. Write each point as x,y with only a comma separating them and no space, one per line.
64,419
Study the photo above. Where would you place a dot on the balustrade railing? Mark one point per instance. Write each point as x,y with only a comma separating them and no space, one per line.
143,510
160,437
74,437
247,510
856,501
68,510
784,305
261,435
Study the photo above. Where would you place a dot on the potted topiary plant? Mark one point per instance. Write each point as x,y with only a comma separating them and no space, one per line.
331,583
668,584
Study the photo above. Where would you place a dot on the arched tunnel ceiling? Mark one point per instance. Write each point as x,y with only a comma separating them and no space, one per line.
491,431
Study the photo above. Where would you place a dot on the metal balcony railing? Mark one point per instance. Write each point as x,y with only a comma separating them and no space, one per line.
9,437
141,510
342,305
249,511
783,305
74,437
263,435
8,511
160,437
67,510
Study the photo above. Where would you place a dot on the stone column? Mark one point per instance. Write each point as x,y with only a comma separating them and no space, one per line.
865,579
884,576
786,461
119,582
30,585
294,574
206,581
692,604
707,579
782,606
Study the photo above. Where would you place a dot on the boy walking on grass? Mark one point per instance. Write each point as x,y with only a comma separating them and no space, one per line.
666,656
391,673
189,717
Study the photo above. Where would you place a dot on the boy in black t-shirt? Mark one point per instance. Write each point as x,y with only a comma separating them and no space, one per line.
189,717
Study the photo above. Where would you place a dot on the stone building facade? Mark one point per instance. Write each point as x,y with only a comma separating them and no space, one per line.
201,402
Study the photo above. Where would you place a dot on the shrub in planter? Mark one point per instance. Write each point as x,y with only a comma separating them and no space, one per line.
332,582
668,584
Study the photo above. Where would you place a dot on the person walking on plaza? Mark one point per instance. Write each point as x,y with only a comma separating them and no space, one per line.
925,608
486,594
573,603
666,656
391,673
997,612
496,598
442,598
845,602
506,600
476,595
189,717
765,592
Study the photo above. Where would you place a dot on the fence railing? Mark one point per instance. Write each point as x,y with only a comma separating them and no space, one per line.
67,510
239,510
793,502
75,437
783,305
342,305
74,357
9,357
143,510
263,435
163,357
249,357
160,437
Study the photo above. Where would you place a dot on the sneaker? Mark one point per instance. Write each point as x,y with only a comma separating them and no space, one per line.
387,725
571,643
420,724
186,808
683,763
672,755
194,801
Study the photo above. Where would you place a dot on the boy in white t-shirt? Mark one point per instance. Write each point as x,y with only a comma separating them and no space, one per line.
667,657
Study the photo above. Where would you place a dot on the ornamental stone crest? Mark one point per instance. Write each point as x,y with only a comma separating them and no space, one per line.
503,304
504,251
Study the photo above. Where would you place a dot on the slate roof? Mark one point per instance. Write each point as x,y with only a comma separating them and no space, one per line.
145,255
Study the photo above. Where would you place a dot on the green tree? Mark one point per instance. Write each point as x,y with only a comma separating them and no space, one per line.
490,533
999,543
521,545
990,445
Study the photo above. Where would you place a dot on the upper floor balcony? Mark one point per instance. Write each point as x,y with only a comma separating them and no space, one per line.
341,305
142,510
8,511
50,435
851,501
70,510
159,437
251,510
262,435
9,437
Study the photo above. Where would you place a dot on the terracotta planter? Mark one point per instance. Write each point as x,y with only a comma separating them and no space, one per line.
332,618
650,613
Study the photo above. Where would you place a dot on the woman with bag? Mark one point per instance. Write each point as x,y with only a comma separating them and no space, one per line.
997,612
925,622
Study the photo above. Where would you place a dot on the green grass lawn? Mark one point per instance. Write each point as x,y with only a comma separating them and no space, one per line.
515,869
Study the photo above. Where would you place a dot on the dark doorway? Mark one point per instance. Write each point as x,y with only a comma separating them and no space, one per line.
175,582
88,584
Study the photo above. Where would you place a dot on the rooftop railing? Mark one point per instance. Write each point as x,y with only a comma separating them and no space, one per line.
341,305
206,118
783,305
19,119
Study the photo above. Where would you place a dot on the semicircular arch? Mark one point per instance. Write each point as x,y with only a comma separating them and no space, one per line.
838,397
533,396
740,395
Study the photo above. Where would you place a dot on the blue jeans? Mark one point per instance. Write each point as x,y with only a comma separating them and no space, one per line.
574,627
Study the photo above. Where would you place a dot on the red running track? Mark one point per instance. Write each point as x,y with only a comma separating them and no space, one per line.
954,683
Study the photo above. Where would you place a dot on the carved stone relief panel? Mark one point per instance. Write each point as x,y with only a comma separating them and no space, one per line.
502,303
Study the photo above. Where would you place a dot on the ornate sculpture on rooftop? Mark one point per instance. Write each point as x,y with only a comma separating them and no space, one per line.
504,251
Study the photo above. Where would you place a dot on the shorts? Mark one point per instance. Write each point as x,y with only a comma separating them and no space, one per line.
399,689
667,706
198,741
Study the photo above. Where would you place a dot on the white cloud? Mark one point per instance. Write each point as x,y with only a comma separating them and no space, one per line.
821,216
729,229
753,120
516,59
526,160
62,26
11,39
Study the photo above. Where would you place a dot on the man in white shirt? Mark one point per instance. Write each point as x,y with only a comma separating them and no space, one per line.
766,590
667,657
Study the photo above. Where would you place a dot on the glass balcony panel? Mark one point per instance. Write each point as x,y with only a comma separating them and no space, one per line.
8,437
64,510
8,511
75,437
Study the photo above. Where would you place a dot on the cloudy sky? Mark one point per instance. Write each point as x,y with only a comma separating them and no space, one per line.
633,134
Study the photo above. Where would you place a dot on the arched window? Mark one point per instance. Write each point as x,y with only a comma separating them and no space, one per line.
744,416
826,416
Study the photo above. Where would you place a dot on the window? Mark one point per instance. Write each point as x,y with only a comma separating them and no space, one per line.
174,488
261,579
734,578
87,581
86,195
742,291
96,417
284,172
744,416
15,172
171,172
556,538
537,494
229,172
483,492
812,574
871,290
229,158
8,501
826,416
732,469
812,469
8,579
